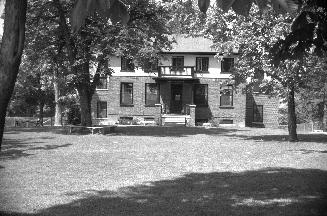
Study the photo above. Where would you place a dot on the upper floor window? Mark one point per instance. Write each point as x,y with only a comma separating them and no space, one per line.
102,109
226,95
103,83
178,62
126,94
202,63
201,94
257,113
151,94
151,66
127,64
227,65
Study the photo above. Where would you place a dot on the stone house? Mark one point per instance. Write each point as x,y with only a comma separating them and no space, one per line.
188,85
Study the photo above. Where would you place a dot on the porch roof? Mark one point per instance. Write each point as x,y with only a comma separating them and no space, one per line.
189,79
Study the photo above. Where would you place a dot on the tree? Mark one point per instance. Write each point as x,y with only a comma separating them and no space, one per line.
312,100
13,43
253,36
309,32
10,53
144,34
33,92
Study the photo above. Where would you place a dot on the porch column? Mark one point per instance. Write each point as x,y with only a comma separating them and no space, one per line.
191,120
157,114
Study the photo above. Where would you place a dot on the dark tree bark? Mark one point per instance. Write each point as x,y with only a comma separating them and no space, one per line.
85,103
11,52
41,107
292,135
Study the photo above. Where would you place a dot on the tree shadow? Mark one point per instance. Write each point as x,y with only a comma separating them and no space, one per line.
16,148
271,191
317,138
18,130
50,147
307,151
177,131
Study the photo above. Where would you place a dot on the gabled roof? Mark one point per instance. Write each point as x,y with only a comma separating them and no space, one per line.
191,45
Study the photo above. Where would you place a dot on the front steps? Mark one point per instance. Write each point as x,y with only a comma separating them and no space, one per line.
174,120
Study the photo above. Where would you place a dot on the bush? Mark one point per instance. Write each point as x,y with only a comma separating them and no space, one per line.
214,122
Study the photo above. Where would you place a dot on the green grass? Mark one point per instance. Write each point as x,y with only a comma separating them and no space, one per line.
163,171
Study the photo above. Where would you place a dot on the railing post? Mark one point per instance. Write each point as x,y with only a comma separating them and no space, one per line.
158,113
191,110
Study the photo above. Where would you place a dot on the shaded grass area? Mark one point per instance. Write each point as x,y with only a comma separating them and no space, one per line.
156,131
316,138
179,131
271,191
17,148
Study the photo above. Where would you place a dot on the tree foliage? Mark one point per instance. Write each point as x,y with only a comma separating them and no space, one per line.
309,33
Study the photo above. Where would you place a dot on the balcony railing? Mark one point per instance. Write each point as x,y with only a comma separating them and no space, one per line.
167,71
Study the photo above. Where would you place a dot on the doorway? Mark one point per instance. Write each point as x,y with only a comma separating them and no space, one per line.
176,105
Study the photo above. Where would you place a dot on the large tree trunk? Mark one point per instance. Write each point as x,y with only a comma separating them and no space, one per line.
292,135
41,107
85,103
58,115
11,52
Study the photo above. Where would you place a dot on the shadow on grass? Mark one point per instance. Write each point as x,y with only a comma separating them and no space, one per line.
272,191
17,148
317,138
178,131
306,151
18,130
14,148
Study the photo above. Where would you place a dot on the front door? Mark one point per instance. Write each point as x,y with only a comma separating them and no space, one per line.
176,98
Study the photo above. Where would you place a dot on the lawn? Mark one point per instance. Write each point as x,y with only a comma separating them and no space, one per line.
163,171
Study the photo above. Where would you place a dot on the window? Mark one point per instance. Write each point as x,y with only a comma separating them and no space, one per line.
257,113
151,66
226,96
227,65
103,83
127,64
102,109
151,94
202,63
126,94
226,121
178,63
201,94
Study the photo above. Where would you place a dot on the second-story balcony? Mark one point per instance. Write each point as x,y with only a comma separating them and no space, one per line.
170,71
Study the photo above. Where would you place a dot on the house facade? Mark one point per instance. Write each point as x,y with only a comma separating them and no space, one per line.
187,85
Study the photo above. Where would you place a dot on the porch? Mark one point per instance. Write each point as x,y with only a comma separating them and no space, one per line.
176,96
